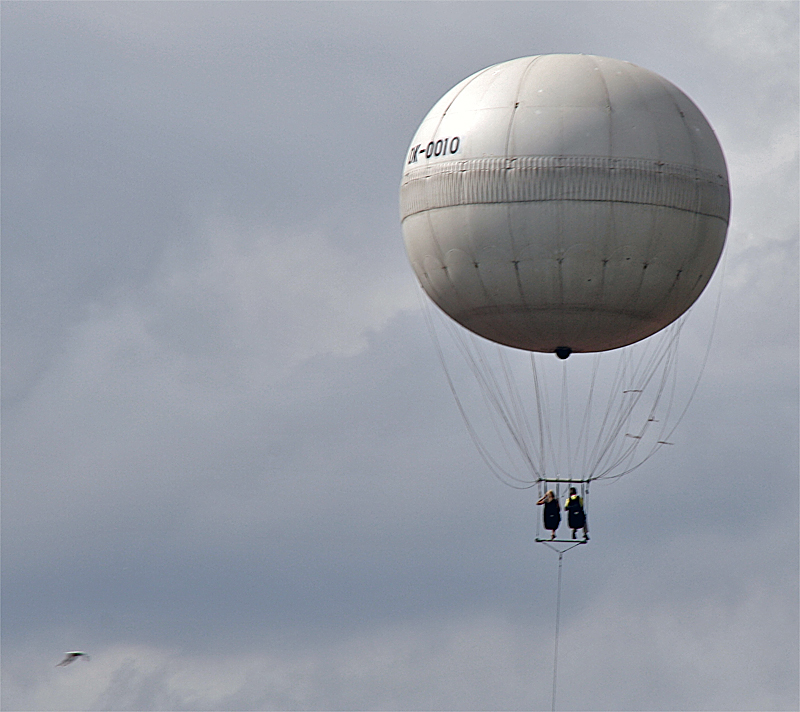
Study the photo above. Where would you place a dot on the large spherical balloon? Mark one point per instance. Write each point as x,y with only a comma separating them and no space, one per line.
564,203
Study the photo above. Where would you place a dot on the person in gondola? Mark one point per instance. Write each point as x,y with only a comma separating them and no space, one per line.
552,512
576,517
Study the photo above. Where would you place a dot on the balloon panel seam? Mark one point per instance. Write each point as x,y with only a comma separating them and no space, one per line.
575,178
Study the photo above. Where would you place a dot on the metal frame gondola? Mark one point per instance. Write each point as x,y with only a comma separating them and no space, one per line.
543,484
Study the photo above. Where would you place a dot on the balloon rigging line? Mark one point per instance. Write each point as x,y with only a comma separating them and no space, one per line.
583,433
609,429
521,413
509,414
613,452
708,345
493,395
563,434
540,415
617,417
509,408
666,432
494,467
660,358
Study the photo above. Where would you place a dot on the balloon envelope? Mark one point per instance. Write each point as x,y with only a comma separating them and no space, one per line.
567,203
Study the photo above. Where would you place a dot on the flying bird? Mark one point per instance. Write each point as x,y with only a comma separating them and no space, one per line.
72,656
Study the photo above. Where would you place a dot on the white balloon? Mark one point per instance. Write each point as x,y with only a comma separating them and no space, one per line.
564,203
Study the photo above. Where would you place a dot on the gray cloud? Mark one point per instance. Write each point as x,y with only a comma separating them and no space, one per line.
233,471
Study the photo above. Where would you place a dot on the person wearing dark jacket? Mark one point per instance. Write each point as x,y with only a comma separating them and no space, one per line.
552,512
576,517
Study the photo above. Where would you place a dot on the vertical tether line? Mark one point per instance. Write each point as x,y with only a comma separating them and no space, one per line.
558,616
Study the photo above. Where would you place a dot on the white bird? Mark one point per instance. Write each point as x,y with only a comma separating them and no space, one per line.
72,656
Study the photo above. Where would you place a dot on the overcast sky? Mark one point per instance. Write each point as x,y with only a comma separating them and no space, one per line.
233,471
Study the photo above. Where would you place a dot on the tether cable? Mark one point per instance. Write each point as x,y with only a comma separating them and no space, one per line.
558,617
